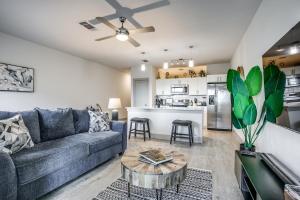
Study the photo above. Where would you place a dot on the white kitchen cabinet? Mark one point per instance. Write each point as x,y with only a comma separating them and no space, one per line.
159,87
202,85
198,86
216,78
163,86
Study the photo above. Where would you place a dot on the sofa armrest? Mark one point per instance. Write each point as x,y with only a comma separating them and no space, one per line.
8,178
121,127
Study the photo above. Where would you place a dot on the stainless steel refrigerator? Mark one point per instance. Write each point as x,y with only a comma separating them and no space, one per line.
218,107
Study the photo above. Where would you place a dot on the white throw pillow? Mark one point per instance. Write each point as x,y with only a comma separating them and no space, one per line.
99,121
14,135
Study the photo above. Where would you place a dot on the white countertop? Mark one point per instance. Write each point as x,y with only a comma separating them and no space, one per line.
190,108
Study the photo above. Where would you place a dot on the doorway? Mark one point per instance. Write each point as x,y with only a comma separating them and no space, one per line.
141,92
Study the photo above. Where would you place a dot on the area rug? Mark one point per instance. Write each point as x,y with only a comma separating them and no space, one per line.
197,185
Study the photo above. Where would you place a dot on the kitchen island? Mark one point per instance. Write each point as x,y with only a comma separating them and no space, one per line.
160,120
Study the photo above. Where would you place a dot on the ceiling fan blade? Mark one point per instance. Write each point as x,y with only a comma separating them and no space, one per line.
151,6
133,42
142,30
132,21
114,4
106,22
104,38
107,17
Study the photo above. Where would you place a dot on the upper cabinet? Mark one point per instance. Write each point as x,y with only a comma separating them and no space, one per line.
197,86
163,86
217,78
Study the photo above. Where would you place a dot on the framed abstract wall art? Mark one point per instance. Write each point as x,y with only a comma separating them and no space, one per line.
15,78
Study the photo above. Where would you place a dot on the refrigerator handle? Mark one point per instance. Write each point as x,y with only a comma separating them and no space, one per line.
211,100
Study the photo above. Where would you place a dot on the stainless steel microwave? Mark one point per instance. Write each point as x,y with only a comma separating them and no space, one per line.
180,89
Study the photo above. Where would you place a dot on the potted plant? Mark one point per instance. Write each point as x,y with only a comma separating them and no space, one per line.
244,112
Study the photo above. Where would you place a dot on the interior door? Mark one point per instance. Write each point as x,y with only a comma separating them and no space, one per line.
211,106
223,107
141,93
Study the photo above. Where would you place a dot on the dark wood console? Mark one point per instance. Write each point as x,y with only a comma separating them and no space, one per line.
256,180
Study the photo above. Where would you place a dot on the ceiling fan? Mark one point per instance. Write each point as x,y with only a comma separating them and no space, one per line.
122,33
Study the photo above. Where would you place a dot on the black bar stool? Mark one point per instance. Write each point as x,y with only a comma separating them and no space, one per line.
136,121
175,134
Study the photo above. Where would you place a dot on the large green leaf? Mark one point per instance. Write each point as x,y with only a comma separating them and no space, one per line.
250,114
230,74
239,87
275,83
237,123
254,81
269,71
240,104
270,115
275,103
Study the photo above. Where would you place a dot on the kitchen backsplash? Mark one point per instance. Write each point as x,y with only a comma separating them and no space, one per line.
200,100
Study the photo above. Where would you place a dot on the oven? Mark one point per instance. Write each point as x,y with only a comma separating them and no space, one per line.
180,89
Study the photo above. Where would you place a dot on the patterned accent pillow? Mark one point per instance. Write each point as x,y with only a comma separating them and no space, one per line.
14,135
99,121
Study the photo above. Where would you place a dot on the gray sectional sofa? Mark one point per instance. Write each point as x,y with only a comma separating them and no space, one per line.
63,150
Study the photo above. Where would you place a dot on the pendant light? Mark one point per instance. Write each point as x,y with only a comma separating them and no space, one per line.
144,61
191,61
294,45
166,64
143,65
294,50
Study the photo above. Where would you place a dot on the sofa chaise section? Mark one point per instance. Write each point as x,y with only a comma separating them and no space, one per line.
8,177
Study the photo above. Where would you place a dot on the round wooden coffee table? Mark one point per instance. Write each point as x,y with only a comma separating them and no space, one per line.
158,177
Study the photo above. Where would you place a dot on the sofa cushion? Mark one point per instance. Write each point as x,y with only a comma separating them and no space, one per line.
55,124
99,140
31,120
47,157
81,120
14,135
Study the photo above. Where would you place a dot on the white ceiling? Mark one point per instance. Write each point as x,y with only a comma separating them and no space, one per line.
214,26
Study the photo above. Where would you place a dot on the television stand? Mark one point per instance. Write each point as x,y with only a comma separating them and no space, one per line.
256,180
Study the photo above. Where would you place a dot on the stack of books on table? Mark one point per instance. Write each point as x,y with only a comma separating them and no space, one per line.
154,157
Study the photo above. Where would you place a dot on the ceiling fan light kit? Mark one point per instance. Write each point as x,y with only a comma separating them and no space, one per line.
122,36
122,33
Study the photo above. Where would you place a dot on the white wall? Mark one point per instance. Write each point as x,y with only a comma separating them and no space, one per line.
273,19
219,68
61,80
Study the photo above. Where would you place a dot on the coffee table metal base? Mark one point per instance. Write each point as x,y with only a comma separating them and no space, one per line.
157,191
